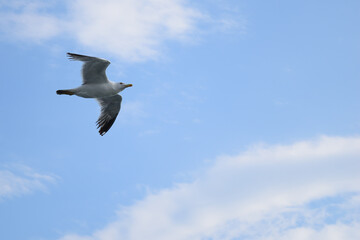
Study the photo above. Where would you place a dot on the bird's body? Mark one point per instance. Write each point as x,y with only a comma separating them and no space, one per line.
96,85
96,90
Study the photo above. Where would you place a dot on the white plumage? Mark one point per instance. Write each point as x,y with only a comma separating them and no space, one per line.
96,85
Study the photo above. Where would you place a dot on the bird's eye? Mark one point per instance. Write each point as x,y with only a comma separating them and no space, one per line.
121,83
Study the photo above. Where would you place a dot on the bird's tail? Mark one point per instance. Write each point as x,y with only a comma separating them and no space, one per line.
67,92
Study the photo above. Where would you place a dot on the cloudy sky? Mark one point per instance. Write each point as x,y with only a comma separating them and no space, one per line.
243,121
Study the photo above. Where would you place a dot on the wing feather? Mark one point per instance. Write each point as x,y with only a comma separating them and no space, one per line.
93,70
110,108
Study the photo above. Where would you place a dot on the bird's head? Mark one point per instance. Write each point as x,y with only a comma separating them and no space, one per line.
121,86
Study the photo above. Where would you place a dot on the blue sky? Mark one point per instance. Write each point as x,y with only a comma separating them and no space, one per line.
242,122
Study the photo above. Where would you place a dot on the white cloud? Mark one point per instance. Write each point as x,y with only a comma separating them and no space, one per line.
20,179
329,232
26,20
131,29
307,190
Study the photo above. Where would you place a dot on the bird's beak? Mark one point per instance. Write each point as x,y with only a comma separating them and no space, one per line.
128,85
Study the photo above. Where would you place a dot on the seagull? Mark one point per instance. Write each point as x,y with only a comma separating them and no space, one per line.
96,85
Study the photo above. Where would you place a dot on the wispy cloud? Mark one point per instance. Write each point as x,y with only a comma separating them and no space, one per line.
133,30
28,20
307,190
20,179
130,29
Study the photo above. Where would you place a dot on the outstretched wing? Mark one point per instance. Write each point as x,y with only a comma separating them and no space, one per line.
110,107
93,70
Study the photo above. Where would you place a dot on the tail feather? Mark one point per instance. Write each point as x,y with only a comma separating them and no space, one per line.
67,92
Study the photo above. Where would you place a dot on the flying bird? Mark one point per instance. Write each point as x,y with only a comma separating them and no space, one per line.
96,85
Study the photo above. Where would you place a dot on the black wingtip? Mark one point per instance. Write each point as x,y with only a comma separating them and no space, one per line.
102,132
71,55
104,125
